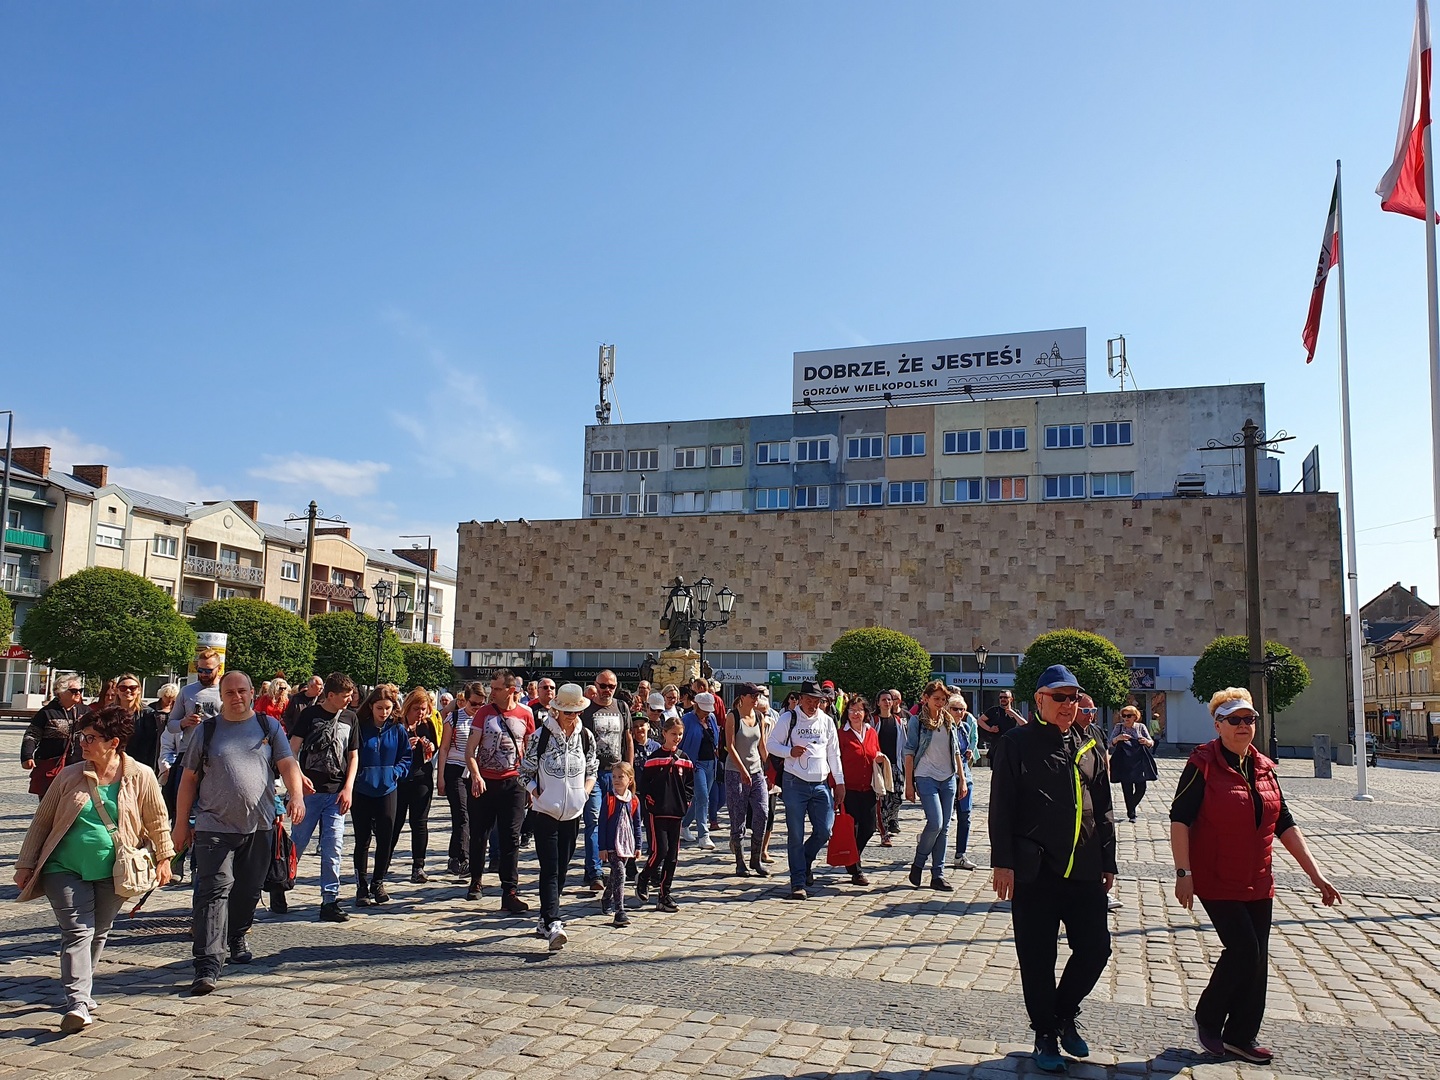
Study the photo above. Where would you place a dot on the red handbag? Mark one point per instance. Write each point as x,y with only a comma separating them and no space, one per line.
842,850
45,771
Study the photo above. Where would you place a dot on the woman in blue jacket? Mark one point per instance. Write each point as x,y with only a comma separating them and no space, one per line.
384,760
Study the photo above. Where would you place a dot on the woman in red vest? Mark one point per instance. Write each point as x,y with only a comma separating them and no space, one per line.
1227,810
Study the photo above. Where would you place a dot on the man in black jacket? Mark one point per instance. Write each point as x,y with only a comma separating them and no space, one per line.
1054,860
47,736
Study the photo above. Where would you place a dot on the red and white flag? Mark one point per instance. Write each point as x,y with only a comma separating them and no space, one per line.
1402,188
1329,256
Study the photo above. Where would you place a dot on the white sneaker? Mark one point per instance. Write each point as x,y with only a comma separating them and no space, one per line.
964,862
77,1019
557,936
1113,902
688,835
542,929
707,843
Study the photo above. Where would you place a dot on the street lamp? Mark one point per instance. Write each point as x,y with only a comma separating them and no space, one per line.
690,603
389,605
534,640
982,654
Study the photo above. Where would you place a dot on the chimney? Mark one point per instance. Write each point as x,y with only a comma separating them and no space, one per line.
35,459
249,507
338,530
94,475
1415,590
419,556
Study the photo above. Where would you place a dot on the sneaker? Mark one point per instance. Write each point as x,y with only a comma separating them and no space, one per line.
557,936
418,877
642,891
77,1019
621,919
202,986
473,892
798,894
597,885
380,893
362,898
1113,902
333,912
1047,1053
1209,1041
460,869
607,908
707,844
886,842
512,903
688,835
964,862
939,884
859,878
1252,1052
542,929
239,954
1072,1042
1132,818
668,906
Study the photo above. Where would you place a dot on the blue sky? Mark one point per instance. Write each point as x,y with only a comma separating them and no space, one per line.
366,252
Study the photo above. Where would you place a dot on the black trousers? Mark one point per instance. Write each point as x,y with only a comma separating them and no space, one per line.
1234,1002
230,873
1134,791
502,806
664,853
1037,911
555,847
414,796
457,794
373,817
860,805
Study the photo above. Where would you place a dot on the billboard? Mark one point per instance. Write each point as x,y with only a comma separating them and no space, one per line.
916,372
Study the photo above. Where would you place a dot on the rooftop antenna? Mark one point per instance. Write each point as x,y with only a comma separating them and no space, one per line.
607,376
1117,365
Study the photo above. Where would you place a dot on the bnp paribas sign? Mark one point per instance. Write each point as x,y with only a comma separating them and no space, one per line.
954,369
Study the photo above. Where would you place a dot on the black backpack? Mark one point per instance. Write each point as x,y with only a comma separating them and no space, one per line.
322,752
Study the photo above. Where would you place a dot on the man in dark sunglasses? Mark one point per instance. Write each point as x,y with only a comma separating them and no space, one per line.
1054,859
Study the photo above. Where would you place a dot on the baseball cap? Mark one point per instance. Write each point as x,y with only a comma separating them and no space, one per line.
1056,675
705,702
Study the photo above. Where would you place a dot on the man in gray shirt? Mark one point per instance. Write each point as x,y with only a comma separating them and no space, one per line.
228,782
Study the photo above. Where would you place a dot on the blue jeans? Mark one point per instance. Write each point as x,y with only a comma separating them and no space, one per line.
805,798
937,799
962,819
594,869
699,813
324,811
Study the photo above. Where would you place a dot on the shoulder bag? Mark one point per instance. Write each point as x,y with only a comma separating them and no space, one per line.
135,871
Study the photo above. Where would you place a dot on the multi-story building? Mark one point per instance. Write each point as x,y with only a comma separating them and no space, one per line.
1406,673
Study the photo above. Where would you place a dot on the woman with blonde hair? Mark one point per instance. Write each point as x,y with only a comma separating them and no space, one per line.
934,776
1131,763
415,792
273,699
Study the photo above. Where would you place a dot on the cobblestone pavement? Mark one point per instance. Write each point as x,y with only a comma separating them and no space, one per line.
885,981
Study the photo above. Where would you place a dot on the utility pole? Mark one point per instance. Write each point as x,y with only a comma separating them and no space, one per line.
311,515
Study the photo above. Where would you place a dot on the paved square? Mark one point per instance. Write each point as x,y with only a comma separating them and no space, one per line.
886,981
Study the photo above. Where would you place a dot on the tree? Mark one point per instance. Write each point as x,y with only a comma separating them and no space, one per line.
7,618
1226,662
264,640
101,622
345,642
871,658
426,665
1102,669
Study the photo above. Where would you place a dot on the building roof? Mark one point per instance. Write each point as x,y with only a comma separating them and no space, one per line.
66,482
1396,604
281,535
1421,633
157,504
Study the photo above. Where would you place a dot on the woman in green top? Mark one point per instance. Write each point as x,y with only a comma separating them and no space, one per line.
69,852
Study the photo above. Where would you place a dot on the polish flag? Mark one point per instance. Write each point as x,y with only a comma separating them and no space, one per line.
1329,256
1402,188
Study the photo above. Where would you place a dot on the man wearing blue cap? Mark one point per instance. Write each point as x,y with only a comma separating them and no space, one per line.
1052,840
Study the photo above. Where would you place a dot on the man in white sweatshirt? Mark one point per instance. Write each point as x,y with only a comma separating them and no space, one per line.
808,740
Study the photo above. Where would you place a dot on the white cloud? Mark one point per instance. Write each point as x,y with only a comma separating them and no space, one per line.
66,448
178,482
350,478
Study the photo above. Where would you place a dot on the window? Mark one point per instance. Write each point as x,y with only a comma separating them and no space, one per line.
644,460
607,460
289,571
864,446
907,445
112,536
337,576
960,491
632,504
1115,433
1109,485
724,456
1064,436
812,498
723,502
166,546
904,492
12,519
962,442
688,502
771,453
290,603
812,449
690,457
1007,438
224,592
1068,486
772,498
604,505
192,551
229,556
871,494
167,585
1005,489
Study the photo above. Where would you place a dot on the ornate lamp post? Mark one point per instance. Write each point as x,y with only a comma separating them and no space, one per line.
534,640
982,654
691,602
389,605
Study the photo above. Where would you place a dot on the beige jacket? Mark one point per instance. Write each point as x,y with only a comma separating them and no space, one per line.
142,814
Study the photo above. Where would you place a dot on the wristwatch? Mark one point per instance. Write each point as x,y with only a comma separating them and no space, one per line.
1182,874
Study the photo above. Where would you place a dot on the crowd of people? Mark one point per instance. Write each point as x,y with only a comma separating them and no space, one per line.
618,780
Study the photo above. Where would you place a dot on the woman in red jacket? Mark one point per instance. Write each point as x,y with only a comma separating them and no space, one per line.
1227,810
859,746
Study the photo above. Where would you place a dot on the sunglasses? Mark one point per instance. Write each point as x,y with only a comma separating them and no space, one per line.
74,690
206,670
1064,699
607,686
1235,720
127,687
1085,710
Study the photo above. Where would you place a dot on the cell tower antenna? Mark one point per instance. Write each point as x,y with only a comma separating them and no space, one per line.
1116,363
607,376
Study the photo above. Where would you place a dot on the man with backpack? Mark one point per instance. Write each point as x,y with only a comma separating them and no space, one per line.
326,741
229,782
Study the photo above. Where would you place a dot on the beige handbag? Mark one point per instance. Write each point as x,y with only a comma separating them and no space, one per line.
882,777
135,870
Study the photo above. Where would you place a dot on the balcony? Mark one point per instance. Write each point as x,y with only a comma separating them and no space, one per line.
25,585
224,571
404,633
189,605
27,539
328,590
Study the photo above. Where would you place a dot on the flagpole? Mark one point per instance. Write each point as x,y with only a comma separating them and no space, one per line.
1357,675
1434,303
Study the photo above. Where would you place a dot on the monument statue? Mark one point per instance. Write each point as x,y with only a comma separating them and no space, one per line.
671,621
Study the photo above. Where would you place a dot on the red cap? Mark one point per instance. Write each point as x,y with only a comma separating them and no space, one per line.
828,685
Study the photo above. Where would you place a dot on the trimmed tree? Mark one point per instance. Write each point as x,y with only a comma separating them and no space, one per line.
345,642
1226,662
101,622
264,640
871,658
1101,668
426,665
7,618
